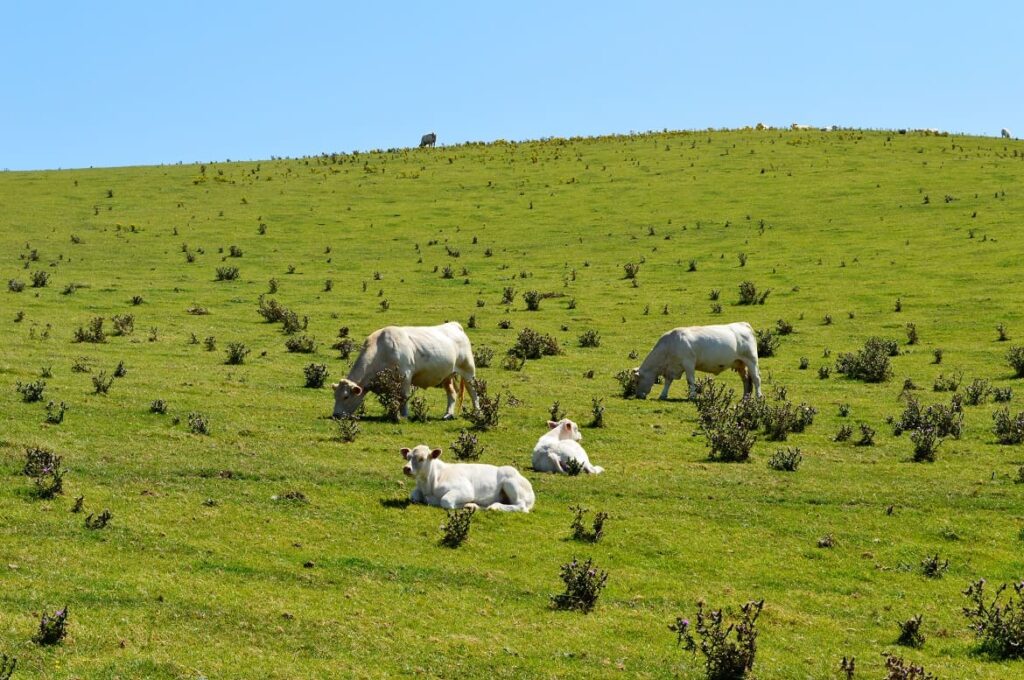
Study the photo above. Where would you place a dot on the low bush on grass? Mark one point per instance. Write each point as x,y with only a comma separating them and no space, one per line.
998,625
583,585
729,650
456,527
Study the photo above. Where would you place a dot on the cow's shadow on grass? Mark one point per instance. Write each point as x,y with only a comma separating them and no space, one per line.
395,503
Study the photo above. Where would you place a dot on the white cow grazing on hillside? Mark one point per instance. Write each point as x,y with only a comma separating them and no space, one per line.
1005,133
710,349
465,485
424,356
558,446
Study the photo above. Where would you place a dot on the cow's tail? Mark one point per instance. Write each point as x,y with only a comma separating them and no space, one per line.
462,394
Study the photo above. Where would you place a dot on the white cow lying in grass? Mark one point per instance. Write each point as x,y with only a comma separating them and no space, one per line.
465,485
558,446
710,349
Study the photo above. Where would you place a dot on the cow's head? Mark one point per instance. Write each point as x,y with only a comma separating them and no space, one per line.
644,381
347,397
418,460
566,429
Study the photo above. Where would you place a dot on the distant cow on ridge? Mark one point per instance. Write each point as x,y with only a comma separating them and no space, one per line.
1005,133
428,140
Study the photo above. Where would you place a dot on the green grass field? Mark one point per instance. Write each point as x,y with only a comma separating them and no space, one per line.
203,573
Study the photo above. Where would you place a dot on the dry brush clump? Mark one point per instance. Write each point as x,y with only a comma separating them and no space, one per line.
729,650
583,585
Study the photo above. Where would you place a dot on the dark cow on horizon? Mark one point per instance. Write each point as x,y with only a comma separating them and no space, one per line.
428,140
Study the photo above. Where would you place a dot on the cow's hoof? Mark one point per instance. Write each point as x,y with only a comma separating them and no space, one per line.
447,416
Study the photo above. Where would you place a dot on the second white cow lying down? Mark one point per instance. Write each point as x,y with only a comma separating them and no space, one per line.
465,485
558,446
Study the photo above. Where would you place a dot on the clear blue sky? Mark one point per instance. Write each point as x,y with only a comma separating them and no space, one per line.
139,83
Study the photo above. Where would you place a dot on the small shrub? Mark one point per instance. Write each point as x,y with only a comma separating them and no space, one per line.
926,440
210,343
533,345
910,633
40,279
227,273
844,434
290,324
418,409
937,355
805,363
316,375
198,423
783,327
94,333
823,372
158,406
390,390
870,364
583,585
767,342
950,384
785,460
932,567
779,420
234,251
348,428
99,521
1000,627
15,286
1002,394
197,310
867,435
344,347
597,409
505,324
827,541
631,270
844,410
898,669
271,310
46,470
724,658
120,370
628,380
302,344
580,532
52,629
55,413
8,664
573,467
487,414
1003,335
456,527
482,356
80,365
714,294
728,439
532,299
467,446
447,272
911,334
101,383
31,392
124,324
590,338
1015,357
977,392
750,296
1008,430
556,411
508,295
236,353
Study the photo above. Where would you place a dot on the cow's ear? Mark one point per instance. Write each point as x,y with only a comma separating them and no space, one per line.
357,390
405,453
552,424
435,453
568,426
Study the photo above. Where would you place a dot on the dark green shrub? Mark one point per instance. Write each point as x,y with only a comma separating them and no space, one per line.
725,658
236,353
583,585
580,532
785,460
870,364
999,626
456,527
316,375
31,392
302,344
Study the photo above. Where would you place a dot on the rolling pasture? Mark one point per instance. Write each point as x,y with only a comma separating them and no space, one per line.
270,548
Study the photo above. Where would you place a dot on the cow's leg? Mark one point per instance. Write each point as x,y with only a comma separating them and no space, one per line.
741,368
556,461
467,371
755,377
449,389
455,499
664,390
417,496
691,380
406,393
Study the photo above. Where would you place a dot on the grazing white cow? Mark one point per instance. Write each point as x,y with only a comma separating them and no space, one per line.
1005,133
710,349
558,446
798,126
424,356
465,485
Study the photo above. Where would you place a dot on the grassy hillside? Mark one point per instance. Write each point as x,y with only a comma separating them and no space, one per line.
206,571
